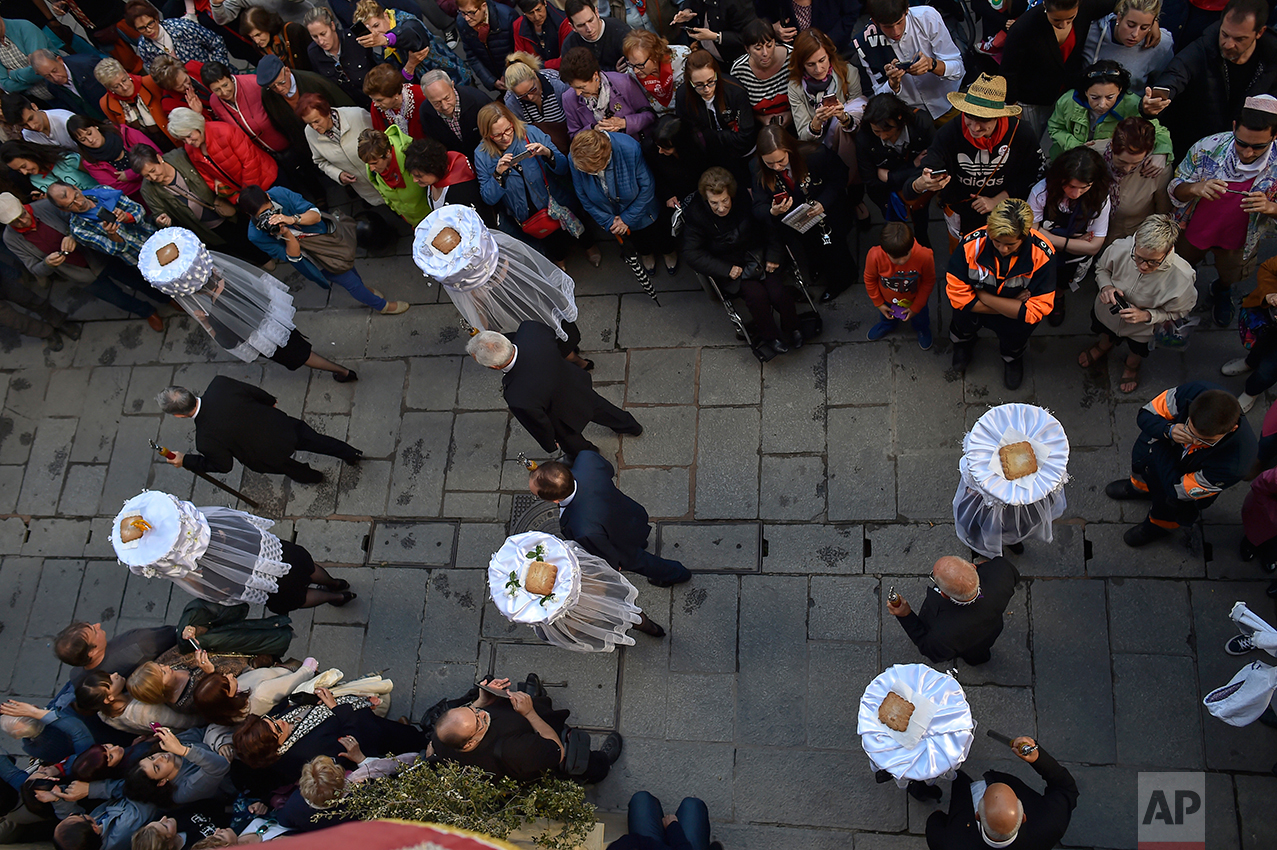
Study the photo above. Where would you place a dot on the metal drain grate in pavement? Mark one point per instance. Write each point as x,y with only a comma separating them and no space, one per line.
532,514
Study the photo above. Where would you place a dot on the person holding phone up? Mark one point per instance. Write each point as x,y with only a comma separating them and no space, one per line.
909,52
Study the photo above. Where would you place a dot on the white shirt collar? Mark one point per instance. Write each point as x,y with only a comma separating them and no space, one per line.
563,503
196,411
507,367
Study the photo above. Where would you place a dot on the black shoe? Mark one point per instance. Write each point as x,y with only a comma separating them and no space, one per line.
71,330
611,748
1017,548
673,270
882,776
1013,373
637,432
1056,317
830,294
1143,534
339,585
1246,550
53,342
923,792
1269,566
1223,309
649,627
354,459
589,366
350,376
532,685
962,352
1123,490
778,346
1272,590
346,596
797,337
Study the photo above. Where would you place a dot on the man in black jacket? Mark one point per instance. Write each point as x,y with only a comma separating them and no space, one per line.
238,421
451,112
962,615
71,81
605,521
1010,813
550,397
1210,79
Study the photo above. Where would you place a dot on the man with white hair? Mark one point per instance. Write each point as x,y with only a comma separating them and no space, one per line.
550,397
451,113
1003,811
71,81
962,615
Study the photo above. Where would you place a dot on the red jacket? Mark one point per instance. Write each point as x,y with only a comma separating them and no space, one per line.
415,128
233,162
249,115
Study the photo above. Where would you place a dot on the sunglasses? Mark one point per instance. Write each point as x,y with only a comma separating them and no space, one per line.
1249,146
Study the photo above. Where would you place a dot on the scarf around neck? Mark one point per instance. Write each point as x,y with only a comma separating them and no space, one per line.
112,148
988,143
600,103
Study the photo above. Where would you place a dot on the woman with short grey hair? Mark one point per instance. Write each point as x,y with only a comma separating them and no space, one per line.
1143,283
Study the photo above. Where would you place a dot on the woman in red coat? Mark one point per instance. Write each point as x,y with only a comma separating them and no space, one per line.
222,154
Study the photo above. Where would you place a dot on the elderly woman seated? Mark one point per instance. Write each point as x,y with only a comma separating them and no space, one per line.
722,239
1143,283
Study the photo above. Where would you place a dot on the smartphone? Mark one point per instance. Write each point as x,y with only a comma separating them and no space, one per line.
904,66
520,156
106,215
359,29
780,197
1119,304
65,253
937,173
1162,91
500,692
155,727
195,643
829,100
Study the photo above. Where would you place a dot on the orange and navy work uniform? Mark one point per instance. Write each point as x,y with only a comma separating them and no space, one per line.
977,265
1184,480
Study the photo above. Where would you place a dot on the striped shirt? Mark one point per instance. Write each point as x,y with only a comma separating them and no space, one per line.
768,97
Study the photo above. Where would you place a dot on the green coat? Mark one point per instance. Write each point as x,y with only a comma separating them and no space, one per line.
1070,124
160,200
412,202
231,633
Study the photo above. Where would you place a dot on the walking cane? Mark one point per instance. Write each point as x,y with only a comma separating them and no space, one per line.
166,453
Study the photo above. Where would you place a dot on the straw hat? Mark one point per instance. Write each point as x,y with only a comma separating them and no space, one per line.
986,98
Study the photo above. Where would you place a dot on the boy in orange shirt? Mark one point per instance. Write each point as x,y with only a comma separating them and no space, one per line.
899,277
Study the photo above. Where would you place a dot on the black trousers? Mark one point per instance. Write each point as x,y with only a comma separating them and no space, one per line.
310,440
1013,334
1168,510
606,414
763,296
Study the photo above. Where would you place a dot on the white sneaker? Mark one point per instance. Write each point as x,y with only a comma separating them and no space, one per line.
1247,402
1235,367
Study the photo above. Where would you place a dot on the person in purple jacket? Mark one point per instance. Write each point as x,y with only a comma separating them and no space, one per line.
604,100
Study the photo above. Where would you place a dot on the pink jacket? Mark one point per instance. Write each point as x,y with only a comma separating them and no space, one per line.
1259,511
104,172
250,116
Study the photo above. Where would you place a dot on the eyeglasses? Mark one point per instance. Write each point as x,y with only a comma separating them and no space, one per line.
470,13
1146,263
708,84
637,65
154,24
1249,146
1188,424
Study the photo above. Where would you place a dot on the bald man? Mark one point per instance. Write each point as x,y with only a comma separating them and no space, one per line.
1003,811
962,615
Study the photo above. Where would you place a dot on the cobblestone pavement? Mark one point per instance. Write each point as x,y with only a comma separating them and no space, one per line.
798,491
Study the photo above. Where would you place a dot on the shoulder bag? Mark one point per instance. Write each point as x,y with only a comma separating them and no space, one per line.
333,251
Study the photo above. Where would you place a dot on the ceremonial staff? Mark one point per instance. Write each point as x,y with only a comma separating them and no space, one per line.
210,479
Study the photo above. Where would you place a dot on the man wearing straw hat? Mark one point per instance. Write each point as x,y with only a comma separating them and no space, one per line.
984,158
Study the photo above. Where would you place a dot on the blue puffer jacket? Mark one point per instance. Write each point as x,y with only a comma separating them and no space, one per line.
488,60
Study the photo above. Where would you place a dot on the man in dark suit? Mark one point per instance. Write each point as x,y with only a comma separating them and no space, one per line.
71,80
550,397
450,108
238,421
1010,813
962,615
605,521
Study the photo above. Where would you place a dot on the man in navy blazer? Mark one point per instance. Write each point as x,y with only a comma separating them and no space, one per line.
605,521
71,80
